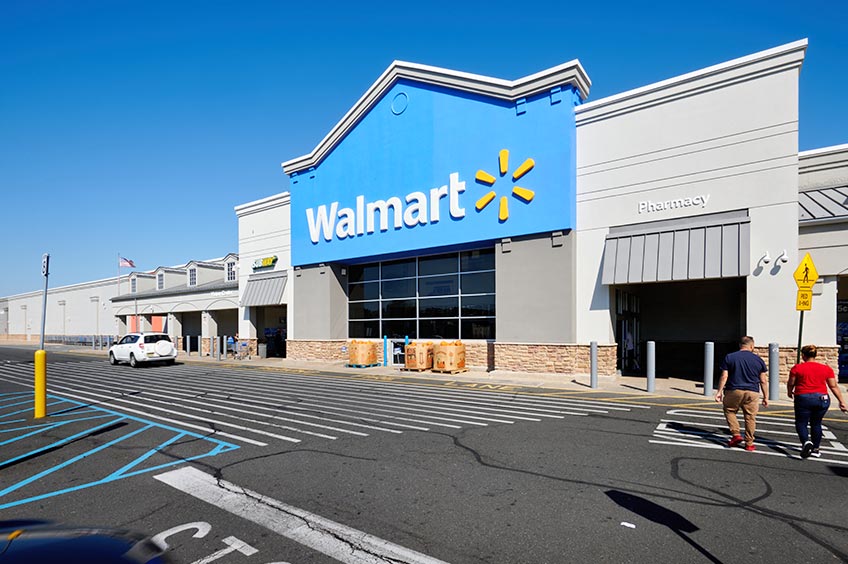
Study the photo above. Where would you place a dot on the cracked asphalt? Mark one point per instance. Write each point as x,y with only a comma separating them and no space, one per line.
590,488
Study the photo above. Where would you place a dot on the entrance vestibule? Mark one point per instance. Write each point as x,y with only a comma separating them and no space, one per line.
679,317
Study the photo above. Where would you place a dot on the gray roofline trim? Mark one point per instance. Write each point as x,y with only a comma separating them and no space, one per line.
94,284
567,73
178,291
834,149
823,221
777,59
204,264
264,204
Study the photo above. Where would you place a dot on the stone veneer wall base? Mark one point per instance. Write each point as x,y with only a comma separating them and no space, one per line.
515,357
786,357
554,358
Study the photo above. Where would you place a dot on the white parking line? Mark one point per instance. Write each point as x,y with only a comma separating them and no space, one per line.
337,541
87,398
161,390
150,396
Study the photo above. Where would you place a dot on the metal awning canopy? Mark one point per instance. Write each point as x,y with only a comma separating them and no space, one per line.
264,289
692,248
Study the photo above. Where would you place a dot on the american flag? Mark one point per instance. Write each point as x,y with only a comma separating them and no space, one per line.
125,263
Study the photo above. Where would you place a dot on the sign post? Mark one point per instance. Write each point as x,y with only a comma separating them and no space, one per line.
805,277
40,408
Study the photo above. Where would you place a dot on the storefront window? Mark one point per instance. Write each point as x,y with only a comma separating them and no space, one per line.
367,291
394,309
399,328
364,310
369,329
478,328
440,307
438,286
478,306
483,259
447,296
478,283
364,272
440,328
404,288
398,269
439,264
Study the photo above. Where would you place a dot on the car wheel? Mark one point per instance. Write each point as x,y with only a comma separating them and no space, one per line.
133,361
112,360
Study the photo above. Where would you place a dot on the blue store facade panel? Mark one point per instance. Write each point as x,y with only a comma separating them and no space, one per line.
428,166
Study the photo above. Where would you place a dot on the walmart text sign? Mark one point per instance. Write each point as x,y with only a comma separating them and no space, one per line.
423,179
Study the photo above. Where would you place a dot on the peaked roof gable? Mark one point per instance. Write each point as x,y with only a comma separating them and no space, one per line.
571,73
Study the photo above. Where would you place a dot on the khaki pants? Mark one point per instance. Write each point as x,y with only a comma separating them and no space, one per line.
750,404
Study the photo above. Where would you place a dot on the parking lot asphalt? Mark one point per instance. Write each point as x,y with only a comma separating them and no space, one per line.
479,377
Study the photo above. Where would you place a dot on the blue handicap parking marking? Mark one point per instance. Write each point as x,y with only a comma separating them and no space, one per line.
68,422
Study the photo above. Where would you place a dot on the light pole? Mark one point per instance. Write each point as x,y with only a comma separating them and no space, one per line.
41,355
96,301
62,303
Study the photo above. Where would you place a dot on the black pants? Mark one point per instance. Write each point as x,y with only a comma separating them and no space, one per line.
810,410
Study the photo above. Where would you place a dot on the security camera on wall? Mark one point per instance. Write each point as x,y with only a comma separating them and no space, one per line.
766,259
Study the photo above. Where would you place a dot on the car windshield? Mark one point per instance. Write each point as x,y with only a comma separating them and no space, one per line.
156,338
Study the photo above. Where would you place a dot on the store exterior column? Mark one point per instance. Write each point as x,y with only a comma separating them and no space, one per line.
209,329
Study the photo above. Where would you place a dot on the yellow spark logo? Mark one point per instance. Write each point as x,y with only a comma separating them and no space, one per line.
521,193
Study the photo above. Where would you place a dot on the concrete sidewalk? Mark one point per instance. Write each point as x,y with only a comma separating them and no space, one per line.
631,385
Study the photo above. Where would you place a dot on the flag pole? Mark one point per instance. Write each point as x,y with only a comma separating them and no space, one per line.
119,274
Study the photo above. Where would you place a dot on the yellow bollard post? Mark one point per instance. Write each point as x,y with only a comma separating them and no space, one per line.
40,384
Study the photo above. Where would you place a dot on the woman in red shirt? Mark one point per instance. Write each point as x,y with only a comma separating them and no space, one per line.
808,384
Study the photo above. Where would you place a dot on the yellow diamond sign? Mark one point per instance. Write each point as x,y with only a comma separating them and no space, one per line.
806,273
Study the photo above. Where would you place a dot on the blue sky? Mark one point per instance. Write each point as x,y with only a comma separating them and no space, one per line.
135,127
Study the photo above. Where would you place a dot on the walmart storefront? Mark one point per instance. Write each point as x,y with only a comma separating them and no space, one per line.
529,222
441,207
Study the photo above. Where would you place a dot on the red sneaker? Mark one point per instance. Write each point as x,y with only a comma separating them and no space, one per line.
736,440
749,448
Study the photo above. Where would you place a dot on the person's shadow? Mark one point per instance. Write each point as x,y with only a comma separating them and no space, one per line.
659,514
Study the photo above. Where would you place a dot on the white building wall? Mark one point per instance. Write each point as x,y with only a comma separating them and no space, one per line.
823,168
81,314
172,278
728,132
264,228
826,241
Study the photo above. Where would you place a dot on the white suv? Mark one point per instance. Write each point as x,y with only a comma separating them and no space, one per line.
143,347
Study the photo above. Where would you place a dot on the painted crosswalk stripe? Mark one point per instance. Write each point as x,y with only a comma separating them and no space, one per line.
335,540
696,428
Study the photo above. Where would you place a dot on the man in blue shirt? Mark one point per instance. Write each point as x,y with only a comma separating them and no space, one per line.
743,375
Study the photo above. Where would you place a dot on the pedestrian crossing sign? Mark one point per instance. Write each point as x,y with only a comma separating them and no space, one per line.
806,274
